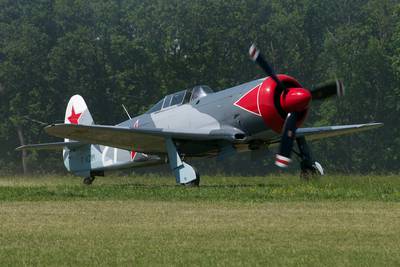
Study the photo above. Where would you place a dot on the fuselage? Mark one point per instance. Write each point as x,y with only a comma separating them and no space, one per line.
237,107
248,107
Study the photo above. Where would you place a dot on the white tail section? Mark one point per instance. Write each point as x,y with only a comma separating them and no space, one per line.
78,160
77,112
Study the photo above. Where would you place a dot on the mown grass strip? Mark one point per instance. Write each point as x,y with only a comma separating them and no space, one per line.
164,233
241,189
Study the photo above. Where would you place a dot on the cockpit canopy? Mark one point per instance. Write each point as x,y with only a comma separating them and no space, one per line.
182,97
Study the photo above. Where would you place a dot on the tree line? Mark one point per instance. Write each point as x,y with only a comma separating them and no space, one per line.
133,52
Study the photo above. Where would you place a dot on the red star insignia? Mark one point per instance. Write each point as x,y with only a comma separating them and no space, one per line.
74,118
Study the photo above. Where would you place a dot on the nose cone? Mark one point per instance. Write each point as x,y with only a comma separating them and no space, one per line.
296,100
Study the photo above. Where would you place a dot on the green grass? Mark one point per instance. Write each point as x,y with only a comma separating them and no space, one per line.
242,189
229,221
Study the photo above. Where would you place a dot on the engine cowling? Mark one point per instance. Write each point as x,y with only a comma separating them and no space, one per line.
274,105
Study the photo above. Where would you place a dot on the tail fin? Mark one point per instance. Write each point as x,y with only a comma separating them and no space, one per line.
77,112
77,160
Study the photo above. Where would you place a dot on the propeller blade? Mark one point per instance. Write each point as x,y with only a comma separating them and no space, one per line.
288,136
328,89
257,57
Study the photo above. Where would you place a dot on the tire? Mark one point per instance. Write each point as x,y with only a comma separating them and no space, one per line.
194,183
88,180
310,171
307,175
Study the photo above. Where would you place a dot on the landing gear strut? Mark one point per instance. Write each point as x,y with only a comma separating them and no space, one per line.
184,173
88,180
309,167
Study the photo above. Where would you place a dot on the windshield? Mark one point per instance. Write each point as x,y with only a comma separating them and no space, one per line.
156,107
181,97
168,101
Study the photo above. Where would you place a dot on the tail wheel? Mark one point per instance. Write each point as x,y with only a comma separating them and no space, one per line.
88,180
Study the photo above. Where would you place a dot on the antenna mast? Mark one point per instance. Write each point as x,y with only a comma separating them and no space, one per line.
126,111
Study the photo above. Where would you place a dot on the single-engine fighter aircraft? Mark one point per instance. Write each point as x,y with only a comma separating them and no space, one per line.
197,123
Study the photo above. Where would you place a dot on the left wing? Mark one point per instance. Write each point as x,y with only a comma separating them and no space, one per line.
146,140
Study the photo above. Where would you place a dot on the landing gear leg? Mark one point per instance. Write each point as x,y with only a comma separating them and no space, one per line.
184,173
309,167
88,180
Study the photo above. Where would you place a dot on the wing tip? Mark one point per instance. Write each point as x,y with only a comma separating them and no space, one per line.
373,125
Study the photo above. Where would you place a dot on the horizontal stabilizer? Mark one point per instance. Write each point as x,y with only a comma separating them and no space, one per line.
315,133
50,146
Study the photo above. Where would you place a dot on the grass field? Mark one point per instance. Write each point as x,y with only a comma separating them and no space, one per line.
228,221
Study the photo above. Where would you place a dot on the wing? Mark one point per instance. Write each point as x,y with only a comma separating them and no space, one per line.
152,140
147,140
315,133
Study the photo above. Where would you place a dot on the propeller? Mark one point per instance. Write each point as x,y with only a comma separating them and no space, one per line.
257,57
328,89
287,140
292,101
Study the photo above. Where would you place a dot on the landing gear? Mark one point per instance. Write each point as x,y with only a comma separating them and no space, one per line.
194,183
88,180
90,176
184,173
310,171
309,168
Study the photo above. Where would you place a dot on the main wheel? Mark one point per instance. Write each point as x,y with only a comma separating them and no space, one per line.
194,183
88,180
308,172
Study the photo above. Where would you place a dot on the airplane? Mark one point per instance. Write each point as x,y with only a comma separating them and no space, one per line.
201,123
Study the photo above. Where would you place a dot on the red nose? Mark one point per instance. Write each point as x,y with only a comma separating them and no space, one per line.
295,100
